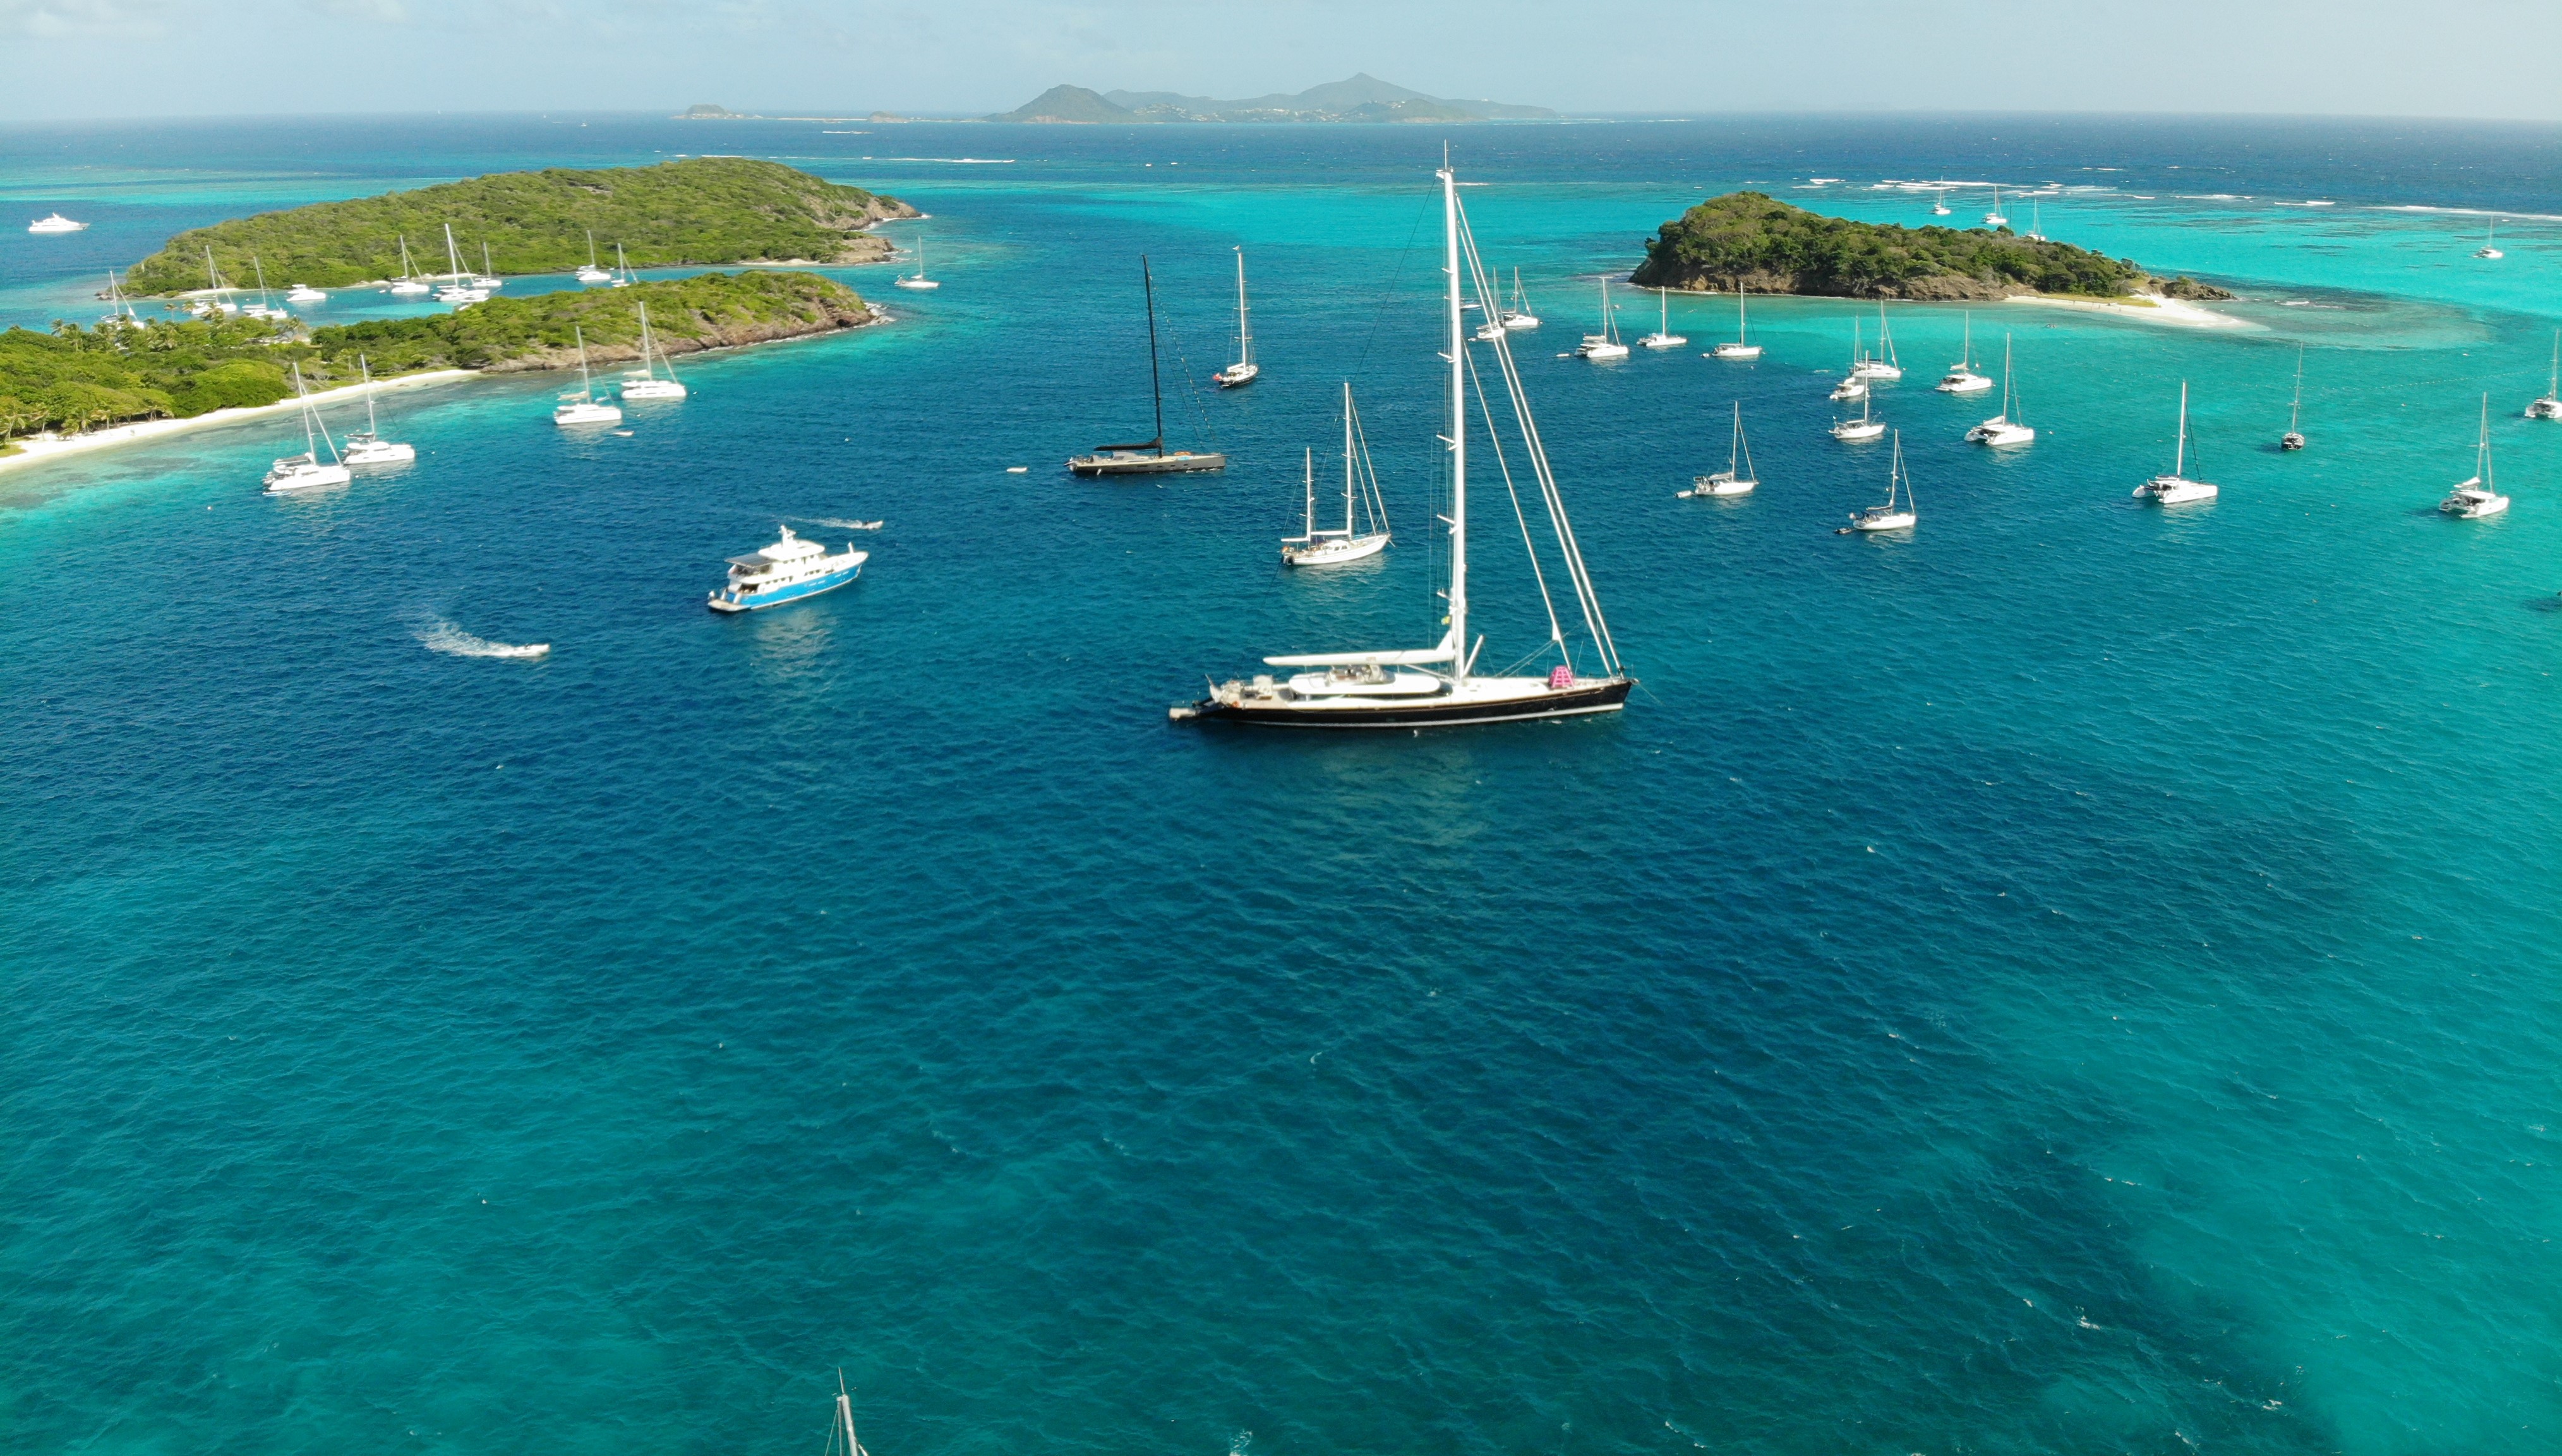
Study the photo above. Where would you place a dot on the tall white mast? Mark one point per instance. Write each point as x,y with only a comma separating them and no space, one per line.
1348,460
1308,478
452,257
1244,335
1459,422
2179,463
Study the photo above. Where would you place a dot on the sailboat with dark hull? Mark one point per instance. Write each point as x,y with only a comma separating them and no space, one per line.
1147,457
1438,686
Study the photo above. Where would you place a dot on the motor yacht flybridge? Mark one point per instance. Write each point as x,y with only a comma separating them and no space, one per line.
1313,547
1244,370
1147,457
2176,488
1438,685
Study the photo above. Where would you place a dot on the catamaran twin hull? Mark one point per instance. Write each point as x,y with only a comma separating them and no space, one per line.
1478,700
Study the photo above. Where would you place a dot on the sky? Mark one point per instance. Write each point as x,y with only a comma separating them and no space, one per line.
86,59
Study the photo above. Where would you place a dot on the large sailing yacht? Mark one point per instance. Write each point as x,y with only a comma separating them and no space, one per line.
1437,685
1244,370
1313,547
1147,456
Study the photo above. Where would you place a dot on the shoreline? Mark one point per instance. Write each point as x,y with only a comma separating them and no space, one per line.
36,450
2148,307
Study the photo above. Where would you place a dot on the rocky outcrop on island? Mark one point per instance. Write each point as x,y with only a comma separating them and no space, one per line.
1752,240
703,211
1360,98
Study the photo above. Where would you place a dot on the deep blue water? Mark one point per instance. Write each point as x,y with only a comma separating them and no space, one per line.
2080,979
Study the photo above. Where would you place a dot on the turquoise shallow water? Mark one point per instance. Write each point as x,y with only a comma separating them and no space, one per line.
2080,979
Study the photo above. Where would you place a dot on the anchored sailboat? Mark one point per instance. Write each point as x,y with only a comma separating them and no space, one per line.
369,448
304,471
1737,477
1891,516
1860,428
409,284
2550,407
1519,314
1884,364
458,290
1313,547
1605,344
593,273
644,383
2490,248
1437,685
2005,428
917,279
1147,456
2480,496
1244,369
1663,338
1962,377
1743,348
622,268
2176,488
2032,235
2294,439
1851,386
583,408
1994,218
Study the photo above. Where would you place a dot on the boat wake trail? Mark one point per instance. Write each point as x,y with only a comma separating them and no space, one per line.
838,525
443,636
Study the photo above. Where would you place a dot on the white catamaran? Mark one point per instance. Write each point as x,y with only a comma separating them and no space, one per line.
2480,496
2005,428
644,383
1962,377
1605,344
1663,338
583,408
2176,488
1313,547
369,448
2550,407
1244,370
1737,478
1438,685
1519,314
409,284
304,471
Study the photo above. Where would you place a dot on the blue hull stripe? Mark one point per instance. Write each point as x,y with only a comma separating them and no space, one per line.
776,598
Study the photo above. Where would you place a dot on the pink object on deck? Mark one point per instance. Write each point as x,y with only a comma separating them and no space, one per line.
1561,678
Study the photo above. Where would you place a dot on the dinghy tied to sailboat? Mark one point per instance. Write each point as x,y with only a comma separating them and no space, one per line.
1412,688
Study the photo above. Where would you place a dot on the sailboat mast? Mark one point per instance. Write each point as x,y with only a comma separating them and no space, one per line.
1308,476
1156,385
2179,463
1459,422
1348,459
1244,335
2296,411
369,427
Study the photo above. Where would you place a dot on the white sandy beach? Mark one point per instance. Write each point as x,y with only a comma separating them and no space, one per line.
2156,309
39,448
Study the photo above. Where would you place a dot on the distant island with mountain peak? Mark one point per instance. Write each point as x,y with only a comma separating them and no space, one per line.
1360,98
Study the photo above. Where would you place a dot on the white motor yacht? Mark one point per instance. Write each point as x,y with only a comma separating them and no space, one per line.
305,471
1518,315
305,293
1737,477
2550,407
1314,547
1663,338
1605,344
1962,377
1899,513
55,223
1863,428
2005,428
368,448
2176,488
1883,364
1743,346
790,570
2480,496
583,408
644,383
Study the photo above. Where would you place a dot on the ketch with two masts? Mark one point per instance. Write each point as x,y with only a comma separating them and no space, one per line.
1412,688
1313,547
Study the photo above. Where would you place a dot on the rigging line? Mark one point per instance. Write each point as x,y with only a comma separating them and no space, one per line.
1555,632
1379,311
1375,503
1585,597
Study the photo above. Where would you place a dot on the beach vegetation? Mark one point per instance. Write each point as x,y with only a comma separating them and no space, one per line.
1754,240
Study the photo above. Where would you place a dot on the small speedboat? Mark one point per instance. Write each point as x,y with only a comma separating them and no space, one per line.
786,571
57,223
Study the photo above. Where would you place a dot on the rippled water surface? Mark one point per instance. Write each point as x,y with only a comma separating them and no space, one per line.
2078,979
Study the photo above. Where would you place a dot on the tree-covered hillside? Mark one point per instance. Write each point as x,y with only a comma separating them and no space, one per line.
1760,242
707,211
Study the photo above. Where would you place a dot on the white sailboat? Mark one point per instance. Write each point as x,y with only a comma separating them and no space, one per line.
264,308
2490,248
304,471
583,408
621,268
1605,344
1438,685
409,284
488,277
1244,370
2294,439
2176,488
593,273
1860,428
1313,547
1896,514
1737,478
218,300
119,309
1962,377
840,1431
1883,365
2005,428
1743,348
2550,407
1851,386
2032,235
644,383
1663,338
1519,314
917,279
2480,496
1994,218
305,293
457,290
1940,204
369,448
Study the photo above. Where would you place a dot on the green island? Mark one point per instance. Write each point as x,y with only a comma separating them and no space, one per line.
704,211
74,379
1753,241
